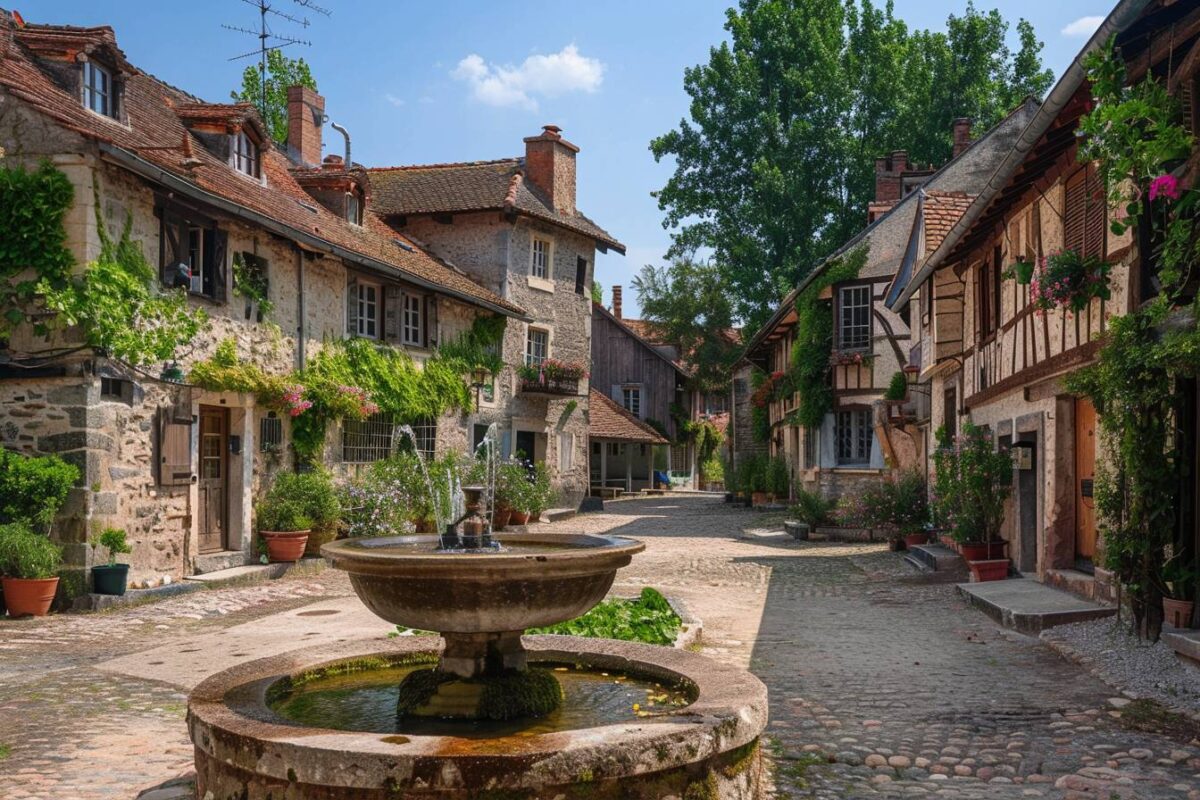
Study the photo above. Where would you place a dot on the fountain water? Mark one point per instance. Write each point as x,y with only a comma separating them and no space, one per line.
483,715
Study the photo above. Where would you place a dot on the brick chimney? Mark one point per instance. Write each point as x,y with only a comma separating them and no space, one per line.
550,165
887,176
616,295
306,114
962,135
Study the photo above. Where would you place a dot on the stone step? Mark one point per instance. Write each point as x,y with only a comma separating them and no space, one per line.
1185,643
254,573
133,597
556,514
1028,606
935,558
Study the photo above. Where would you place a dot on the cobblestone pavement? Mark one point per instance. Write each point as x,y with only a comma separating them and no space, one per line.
883,683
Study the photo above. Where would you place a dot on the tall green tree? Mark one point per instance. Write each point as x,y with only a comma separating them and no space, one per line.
689,302
774,167
282,72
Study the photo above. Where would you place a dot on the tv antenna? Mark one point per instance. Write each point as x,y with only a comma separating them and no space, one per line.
269,40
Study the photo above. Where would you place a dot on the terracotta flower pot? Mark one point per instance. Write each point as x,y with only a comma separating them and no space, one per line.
519,517
1178,613
285,545
422,525
913,539
500,518
758,498
29,596
983,551
995,569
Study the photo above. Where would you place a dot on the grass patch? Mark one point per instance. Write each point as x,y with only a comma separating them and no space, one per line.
1152,717
647,618
5,751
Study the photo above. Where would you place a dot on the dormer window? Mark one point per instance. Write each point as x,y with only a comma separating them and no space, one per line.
245,154
353,209
98,89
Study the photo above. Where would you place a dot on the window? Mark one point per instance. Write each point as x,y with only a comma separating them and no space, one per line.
537,346
367,440
631,399
367,315
540,265
853,435
112,387
425,434
581,270
412,329
206,262
245,154
98,90
566,452
854,317
353,209
270,433
680,463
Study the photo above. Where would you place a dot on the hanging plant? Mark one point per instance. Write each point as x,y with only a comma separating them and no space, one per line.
1019,271
1066,280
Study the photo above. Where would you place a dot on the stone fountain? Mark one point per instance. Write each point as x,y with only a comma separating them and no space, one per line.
490,713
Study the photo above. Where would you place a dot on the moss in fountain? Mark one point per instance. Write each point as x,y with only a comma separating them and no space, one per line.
512,694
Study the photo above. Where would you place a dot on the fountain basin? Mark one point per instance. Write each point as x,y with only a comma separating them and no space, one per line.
710,747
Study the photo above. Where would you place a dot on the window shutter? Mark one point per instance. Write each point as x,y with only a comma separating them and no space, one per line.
174,450
430,319
220,271
1094,215
352,308
1075,211
393,314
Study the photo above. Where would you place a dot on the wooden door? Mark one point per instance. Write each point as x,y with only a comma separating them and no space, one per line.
1085,472
214,494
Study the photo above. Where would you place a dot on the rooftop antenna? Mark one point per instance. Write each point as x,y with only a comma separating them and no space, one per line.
269,40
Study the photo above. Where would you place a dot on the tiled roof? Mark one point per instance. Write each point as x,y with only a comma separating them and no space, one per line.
156,136
607,420
646,330
939,213
473,186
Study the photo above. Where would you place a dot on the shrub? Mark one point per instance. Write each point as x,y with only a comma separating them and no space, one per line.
777,477
298,496
33,488
898,388
282,514
112,540
971,482
811,508
25,554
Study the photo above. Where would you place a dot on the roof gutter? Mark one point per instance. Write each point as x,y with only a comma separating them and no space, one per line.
1121,17
142,167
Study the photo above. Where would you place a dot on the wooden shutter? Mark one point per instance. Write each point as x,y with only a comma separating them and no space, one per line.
430,318
352,308
174,449
219,255
1075,211
393,314
1094,222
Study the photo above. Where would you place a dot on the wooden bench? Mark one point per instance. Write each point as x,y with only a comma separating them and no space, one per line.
607,492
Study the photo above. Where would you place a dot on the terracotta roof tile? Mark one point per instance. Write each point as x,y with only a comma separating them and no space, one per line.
157,135
941,210
607,420
473,186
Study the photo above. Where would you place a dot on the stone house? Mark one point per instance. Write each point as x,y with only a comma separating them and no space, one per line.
649,380
986,354
860,438
513,226
204,189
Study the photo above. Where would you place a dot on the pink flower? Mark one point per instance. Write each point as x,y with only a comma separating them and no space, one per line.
1165,185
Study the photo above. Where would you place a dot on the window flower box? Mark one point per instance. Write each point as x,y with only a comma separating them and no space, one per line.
1067,280
551,377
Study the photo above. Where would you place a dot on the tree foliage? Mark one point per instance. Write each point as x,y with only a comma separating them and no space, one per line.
690,303
774,168
282,72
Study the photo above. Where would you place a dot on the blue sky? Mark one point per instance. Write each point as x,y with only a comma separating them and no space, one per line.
466,80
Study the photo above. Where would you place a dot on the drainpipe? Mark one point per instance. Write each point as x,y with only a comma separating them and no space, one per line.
301,330
346,135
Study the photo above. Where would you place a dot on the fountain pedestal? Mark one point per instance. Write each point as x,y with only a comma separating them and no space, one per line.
476,655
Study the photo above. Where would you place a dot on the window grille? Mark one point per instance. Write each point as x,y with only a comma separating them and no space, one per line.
270,432
679,459
853,435
114,388
367,440
854,318
425,432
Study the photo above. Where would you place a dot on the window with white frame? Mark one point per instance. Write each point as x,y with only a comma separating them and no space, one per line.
854,317
631,399
245,154
98,89
566,452
537,346
367,315
540,264
852,433
353,209
413,328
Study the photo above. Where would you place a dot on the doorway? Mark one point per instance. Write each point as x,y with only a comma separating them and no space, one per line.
526,446
1085,472
213,501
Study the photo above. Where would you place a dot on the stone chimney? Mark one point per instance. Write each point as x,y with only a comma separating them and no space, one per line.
550,165
616,295
306,114
962,135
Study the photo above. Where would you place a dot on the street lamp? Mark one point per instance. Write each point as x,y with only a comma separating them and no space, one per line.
479,379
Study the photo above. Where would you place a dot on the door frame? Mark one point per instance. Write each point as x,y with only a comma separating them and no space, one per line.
222,412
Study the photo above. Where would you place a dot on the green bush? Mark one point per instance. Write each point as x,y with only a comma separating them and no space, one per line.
812,508
898,388
648,618
33,488
25,554
972,481
112,540
778,477
300,497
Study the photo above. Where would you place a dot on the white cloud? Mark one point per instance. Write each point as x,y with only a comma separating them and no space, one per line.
538,75
1082,27
396,101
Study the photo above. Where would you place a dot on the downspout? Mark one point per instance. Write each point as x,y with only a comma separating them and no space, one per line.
301,331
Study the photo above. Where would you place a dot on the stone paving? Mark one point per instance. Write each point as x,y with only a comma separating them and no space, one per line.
883,682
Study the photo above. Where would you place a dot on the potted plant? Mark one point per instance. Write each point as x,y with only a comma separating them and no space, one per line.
112,577
318,502
972,481
757,479
29,563
1064,279
778,479
910,507
1179,591
810,511
541,493
283,521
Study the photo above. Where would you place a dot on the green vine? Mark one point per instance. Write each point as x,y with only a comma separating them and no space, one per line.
33,248
813,346
478,346
760,415
250,282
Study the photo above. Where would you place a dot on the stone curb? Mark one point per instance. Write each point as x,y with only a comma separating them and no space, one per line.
1077,657
691,627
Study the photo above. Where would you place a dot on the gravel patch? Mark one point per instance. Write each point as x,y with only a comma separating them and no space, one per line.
1140,669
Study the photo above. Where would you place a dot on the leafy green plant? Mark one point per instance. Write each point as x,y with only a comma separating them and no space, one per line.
225,371
114,543
33,488
972,481
1181,578
28,555
778,478
812,508
281,514
898,388
649,618
250,282
33,205
304,499
1065,279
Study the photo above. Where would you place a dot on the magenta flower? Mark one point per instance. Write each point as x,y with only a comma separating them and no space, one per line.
1165,185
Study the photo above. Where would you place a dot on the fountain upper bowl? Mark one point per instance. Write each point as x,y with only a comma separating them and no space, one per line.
536,579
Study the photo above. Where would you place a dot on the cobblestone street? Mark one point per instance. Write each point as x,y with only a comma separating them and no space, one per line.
883,682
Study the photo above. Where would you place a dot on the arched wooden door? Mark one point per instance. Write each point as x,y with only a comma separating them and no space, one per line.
1085,473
